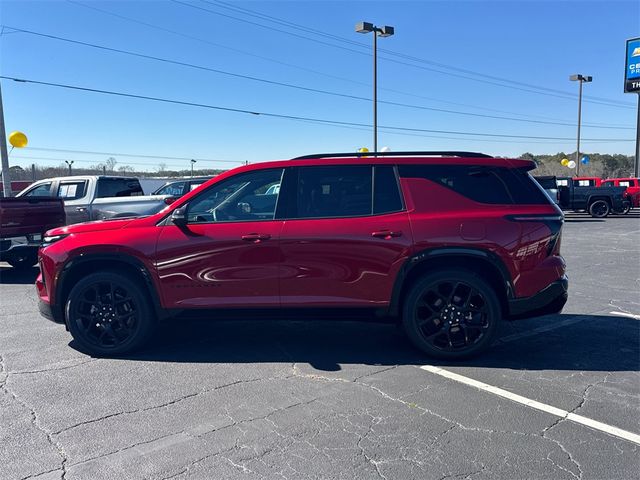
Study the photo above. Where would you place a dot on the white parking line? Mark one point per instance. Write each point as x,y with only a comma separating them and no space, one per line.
625,314
603,427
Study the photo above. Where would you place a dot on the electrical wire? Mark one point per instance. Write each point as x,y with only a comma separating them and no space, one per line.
316,72
298,87
288,117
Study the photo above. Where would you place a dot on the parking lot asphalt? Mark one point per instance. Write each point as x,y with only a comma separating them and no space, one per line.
313,399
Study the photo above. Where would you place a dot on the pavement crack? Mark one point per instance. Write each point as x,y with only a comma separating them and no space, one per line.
55,369
155,407
35,420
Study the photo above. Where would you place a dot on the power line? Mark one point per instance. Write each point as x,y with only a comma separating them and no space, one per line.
298,87
564,95
253,13
287,117
134,155
317,72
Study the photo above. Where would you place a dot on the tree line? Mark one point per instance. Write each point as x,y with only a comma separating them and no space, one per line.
601,165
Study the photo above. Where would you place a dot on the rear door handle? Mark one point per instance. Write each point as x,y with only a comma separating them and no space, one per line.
81,209
256,237
386,234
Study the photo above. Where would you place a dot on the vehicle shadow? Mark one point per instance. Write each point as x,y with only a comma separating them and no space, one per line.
591,343
18,276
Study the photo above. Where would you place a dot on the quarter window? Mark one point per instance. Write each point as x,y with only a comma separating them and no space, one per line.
242,198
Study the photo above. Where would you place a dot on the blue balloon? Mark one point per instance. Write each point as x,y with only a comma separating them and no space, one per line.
585,159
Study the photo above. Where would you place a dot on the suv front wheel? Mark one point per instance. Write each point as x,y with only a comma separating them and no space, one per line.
108,314
451,314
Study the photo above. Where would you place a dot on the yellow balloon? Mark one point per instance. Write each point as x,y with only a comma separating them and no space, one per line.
18,139
564,162
363,150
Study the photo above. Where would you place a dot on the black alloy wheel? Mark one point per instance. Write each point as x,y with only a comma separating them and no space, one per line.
599,209
451,314
108,314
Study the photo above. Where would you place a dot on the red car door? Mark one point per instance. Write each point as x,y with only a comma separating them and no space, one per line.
340,247
227,254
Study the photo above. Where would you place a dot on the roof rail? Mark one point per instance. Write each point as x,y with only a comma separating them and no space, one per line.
442,153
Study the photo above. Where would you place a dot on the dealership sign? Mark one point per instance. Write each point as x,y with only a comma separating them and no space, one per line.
632,67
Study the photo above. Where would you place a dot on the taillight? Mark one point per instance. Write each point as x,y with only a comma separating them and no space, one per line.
552,221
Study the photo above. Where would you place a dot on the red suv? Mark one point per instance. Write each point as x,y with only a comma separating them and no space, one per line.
448,243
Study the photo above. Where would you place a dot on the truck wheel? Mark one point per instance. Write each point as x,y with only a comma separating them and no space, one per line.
23,259
451,314
599,209
109,314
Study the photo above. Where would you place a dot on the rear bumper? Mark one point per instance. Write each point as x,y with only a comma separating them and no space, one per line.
547,301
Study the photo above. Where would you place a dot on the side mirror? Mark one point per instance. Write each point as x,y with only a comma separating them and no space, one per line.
179,216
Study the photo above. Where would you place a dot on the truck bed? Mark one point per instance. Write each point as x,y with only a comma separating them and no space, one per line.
20,216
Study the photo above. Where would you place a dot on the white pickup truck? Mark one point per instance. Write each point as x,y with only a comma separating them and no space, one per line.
97,197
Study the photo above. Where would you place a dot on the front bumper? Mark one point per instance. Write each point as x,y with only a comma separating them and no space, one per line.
549,300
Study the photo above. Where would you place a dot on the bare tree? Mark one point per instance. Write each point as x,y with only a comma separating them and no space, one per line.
162,167
111,163
124,169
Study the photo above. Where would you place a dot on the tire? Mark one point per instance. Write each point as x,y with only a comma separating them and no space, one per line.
599,209
451,314
22,260
109,314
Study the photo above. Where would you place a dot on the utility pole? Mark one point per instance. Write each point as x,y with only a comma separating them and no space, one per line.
6,181
581,79
636,169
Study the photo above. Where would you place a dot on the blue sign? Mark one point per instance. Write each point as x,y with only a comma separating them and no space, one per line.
632,66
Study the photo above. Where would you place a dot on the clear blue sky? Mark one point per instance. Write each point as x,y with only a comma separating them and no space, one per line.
534,42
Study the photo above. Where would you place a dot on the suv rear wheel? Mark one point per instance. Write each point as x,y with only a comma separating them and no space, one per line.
108,314
451,314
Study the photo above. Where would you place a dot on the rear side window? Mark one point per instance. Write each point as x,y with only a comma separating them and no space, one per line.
174,189
118,187
386,192
336,191
71,190
491,185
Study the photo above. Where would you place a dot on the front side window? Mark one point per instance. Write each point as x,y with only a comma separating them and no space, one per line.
242,198
336,191
42,190
71,190
625,183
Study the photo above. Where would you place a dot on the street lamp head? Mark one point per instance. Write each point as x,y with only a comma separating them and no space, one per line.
364,27
582,78
386,31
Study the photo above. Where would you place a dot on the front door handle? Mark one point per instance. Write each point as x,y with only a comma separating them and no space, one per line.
386,234
256,237
81,209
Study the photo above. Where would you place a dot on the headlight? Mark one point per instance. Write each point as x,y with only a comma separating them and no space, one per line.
49,239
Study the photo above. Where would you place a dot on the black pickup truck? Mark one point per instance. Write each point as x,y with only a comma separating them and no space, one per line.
597,201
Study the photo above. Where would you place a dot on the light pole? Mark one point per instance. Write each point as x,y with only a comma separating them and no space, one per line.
386,31
582,79
69,162
192,162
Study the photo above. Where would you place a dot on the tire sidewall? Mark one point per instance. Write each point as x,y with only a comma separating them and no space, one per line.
145,320
411,328
591,209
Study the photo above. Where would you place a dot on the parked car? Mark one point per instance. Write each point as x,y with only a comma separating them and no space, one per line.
97,197
22,223
587,181
178,188
631,184
447,243
599,202
550,186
